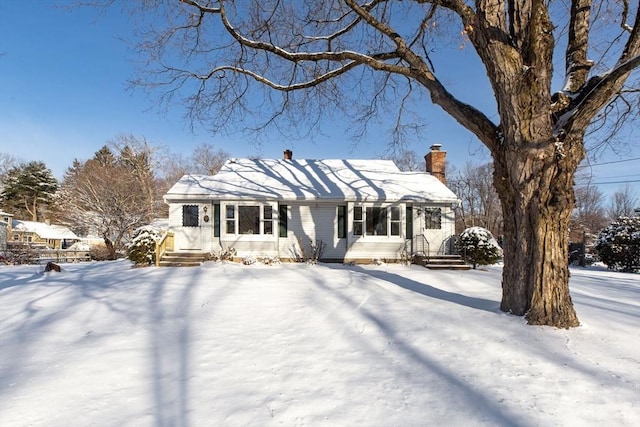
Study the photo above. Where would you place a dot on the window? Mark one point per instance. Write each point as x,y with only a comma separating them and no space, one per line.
282,220
395,220
190,215
248,219
432,218
376,221
231,219
244,219
267,220
342,222
357,220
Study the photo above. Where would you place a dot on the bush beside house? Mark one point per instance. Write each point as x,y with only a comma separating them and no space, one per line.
477,246
142,248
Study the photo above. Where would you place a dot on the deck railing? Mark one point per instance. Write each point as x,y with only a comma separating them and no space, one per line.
26,254
163,245
62,255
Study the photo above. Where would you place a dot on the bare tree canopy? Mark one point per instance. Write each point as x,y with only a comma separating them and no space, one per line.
204,160
113,193
480,204
624,202
368,59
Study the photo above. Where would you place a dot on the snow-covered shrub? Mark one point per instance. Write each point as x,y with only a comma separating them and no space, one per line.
249,260
142,248
478,246
224,255
269,259
619,245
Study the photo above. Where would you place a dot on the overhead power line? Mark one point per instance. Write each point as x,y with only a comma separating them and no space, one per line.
608,182
608,163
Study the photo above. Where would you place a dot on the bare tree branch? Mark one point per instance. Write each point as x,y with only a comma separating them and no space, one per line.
577,65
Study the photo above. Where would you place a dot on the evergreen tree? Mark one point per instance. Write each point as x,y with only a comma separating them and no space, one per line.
619,245
142,248
477,246
28,189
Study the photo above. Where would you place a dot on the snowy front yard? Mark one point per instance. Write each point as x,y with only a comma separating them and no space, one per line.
297,345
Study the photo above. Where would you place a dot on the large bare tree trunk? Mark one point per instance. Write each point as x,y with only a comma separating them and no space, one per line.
536,190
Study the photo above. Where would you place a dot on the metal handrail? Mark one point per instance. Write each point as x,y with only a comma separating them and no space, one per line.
421,240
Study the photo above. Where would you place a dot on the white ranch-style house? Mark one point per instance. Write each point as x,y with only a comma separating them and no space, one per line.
359,209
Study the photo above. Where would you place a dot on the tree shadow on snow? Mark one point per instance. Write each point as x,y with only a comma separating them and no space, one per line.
490,306
482,403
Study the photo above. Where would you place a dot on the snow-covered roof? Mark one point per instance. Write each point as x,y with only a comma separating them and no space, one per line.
45,231
333,179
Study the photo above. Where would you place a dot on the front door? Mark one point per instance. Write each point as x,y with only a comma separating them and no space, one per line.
189,236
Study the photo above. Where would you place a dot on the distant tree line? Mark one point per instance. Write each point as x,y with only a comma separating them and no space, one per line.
109,195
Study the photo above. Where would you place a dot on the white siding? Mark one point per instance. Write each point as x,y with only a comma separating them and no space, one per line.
312,222
366,249
257,248
375,247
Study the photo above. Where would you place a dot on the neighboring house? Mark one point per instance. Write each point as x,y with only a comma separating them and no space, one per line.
5,229
42,234
359,209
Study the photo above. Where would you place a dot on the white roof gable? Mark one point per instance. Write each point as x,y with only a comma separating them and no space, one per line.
289,180
43,230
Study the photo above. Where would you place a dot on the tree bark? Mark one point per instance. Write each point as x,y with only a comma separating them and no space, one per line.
536,190
111,249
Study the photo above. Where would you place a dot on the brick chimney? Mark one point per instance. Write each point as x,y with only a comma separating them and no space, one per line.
288,154
435,161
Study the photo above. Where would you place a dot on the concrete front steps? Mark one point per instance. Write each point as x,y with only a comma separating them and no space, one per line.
441,262
182,259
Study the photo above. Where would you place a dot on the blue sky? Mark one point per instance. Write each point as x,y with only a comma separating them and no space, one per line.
63,94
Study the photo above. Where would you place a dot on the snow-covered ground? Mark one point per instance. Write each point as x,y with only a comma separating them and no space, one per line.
297,345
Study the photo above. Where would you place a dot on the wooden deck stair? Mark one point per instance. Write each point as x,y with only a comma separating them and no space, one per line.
182,259
441,262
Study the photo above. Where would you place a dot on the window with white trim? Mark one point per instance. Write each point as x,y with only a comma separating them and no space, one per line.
230,217
249,219
267,219
394,220
357,220
376,221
